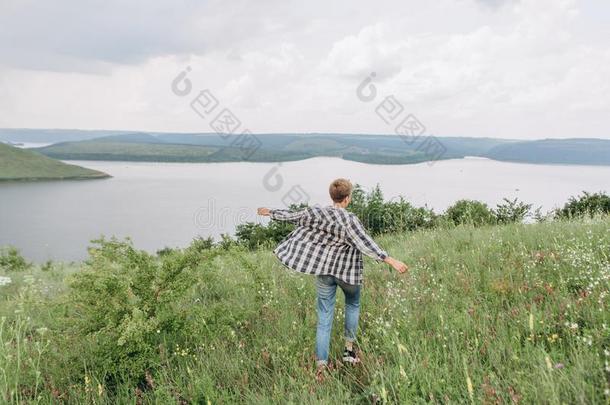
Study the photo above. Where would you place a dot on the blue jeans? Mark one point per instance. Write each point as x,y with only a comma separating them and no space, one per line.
327,287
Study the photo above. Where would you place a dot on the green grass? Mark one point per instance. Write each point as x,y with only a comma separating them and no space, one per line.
519,313
21,164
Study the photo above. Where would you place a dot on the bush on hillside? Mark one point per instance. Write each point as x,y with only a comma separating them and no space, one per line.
379,216
470,212
587,204
510,211
252,235
201,244
11,260
127,302
165,251
226,241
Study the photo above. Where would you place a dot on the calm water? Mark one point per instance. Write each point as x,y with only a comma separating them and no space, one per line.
167,204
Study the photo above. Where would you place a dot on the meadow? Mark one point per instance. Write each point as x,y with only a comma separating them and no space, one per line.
515,313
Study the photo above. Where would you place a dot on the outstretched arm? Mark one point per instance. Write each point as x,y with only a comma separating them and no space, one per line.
282,215
363,242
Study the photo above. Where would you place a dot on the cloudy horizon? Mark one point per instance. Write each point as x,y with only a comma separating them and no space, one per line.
521,69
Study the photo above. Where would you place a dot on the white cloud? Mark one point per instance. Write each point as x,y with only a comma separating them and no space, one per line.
524,69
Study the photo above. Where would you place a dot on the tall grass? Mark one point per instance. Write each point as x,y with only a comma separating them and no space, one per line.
499,314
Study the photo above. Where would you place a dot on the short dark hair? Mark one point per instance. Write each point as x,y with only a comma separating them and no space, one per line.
339,189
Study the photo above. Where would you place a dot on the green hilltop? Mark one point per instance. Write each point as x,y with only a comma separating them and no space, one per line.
22,164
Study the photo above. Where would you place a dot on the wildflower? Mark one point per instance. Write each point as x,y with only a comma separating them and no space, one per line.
552,338
559,366
4,280
549,365
468,381
402,372
469,387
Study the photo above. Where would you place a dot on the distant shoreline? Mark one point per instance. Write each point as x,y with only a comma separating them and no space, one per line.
130,146
82,162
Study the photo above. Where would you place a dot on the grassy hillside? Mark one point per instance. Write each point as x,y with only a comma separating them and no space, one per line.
21,164
503,314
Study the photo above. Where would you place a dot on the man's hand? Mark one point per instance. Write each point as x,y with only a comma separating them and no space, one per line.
396,264
263,211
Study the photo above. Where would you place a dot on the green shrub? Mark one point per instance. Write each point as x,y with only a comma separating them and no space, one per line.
379,216
254,235
47,266
226,241
586,204
127,301
11,260
165,251
201,244
512,211
470,212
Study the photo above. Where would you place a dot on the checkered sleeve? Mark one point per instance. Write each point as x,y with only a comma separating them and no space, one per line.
287,215
363,242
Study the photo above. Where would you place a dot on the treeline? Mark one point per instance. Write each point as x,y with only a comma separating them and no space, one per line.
380,216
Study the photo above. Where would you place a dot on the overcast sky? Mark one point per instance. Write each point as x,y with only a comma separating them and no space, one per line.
497,68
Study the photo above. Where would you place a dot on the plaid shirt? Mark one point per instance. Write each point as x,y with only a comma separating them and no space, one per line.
327,240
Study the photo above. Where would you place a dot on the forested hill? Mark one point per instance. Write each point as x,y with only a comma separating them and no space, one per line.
566,151
380,149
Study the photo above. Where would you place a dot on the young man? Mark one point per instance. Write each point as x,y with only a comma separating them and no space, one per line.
328,242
